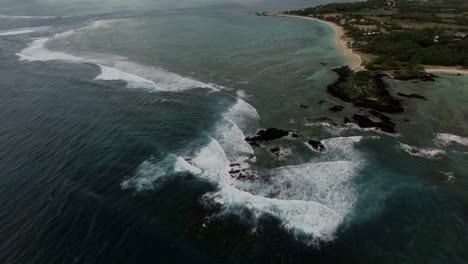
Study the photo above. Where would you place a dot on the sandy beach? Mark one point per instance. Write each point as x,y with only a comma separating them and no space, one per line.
355,61
442,69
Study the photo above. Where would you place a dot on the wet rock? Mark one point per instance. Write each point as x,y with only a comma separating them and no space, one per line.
270,134
364,89
316,145
336,108
275,150
320,119
346,120
294,135
366,122
281,152
380,116
416,96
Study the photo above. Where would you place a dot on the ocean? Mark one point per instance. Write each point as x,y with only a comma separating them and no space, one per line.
122,123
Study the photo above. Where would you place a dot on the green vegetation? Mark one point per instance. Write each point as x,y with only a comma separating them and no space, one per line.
360,84
402,33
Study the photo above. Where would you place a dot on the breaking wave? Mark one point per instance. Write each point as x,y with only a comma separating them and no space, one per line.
309,200
449,139
26,17
335,129
20,31
426,153
112,67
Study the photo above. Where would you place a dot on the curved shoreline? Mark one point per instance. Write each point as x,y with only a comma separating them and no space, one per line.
355,61
444,69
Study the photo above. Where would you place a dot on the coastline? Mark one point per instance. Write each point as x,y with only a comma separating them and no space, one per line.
444,69
355,61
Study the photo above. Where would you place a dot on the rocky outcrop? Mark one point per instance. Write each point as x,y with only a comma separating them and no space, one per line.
365,122
316,145
269,135
364,89
336,108
416,96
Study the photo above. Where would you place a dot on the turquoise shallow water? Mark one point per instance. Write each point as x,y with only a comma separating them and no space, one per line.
117,138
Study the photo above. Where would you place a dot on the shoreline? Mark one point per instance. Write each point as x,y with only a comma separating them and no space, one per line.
355,61
445,69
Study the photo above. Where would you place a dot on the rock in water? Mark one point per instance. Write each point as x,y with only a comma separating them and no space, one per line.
366,122
336,108
364,89
316,145
270,134
416,96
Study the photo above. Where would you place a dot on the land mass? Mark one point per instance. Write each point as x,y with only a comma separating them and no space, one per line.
397,39
400,37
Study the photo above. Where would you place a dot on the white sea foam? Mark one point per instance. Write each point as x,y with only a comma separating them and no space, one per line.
450,177
36,51
334,129
426,153
112,67
20,31
148,172
243,115
310,199
449,139
300,217
241,94
26,17
133,81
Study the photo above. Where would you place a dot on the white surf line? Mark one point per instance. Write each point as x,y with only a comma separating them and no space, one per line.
446,139
426,153
113,67
27,17
20,31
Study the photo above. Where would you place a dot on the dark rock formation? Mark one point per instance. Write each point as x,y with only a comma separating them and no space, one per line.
417,96
316,145
380,116
336,108
269,135
346,120
303,106
366,122
423,76
275,150
368,93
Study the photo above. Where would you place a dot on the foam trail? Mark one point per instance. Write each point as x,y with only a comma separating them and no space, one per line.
21,31
445,139
300,217
113,67
26,17
309,200
422,152
133,81
36,51
148,172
